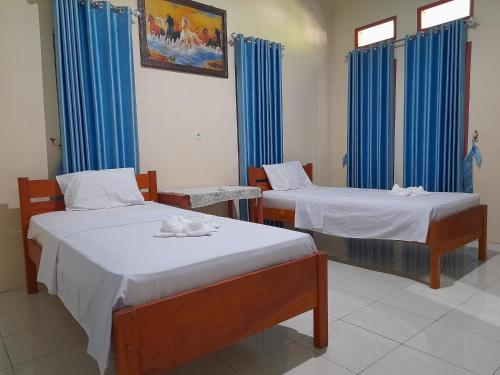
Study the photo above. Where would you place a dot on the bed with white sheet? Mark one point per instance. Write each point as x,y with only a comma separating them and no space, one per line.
100,261
103,262
444,221
368,213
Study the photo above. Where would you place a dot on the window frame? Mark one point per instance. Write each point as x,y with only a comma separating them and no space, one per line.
421,9
364,27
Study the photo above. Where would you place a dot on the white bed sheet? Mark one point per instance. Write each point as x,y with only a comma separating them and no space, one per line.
368,213
98,261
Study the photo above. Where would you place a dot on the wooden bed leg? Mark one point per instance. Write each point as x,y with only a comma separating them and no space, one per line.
434,257
435,268
31,283
126,342
321,312
483,240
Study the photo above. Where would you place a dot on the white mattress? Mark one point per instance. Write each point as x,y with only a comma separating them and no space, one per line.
97,261
285,200
368,213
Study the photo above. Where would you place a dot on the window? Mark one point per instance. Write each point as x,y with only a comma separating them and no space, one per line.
443,11
375,32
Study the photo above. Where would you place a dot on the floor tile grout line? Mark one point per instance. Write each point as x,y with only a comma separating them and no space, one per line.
341,281
323,355
260,358
481,306
411,281
47,354
336,363
7,353
385,282
69,318
375,333
414,313
226,364
382,281
355,311
439,358
357,295
464,329
406,311
399,345
432,321
385,355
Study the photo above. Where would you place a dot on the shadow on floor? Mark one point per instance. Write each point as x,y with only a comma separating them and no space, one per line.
409,260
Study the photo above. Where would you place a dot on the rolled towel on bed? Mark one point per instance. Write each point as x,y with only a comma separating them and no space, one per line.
412,191
179,226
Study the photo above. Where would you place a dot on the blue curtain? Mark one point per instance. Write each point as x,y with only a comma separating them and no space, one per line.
434,108
96,89
370,151
260,107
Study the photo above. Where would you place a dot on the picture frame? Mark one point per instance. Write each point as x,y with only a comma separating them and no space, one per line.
183,36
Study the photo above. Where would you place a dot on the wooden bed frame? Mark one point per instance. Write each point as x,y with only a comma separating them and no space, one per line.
445,235
169,332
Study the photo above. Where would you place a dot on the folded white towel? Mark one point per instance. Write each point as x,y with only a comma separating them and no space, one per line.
412,191
179,226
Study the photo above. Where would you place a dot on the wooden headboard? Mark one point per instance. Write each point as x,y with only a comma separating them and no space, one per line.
257,177
48,197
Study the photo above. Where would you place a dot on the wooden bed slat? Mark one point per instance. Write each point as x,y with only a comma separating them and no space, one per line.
44,188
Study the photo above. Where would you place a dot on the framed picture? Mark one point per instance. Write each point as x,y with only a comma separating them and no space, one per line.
184,36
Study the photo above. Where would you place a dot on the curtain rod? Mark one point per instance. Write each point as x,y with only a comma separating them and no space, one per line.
472,22
119,9
235,36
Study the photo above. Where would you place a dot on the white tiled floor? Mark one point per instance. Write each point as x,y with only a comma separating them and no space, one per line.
380,324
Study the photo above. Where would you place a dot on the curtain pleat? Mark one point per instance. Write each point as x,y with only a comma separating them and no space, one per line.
370,154
260,106
96,88
435,107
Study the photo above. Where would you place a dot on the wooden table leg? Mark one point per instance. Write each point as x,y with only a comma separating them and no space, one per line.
434,256
230,209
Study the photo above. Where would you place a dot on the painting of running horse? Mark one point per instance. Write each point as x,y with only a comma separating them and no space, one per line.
183,35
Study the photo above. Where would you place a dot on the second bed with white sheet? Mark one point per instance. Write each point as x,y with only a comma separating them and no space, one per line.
368,213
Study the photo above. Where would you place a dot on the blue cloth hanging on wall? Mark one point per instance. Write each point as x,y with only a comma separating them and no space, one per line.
96,88
370,151
260,106
434,108
474,155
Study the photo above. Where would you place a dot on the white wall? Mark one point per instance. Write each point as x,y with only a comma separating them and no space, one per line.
26,73
172,107
346,15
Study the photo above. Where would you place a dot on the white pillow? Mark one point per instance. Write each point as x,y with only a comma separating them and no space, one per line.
95,190
287,176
